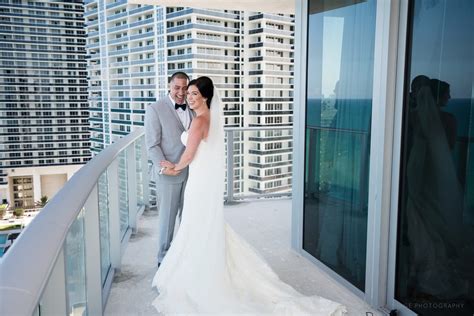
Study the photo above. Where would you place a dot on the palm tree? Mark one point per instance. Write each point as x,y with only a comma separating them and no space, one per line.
42,202
3,210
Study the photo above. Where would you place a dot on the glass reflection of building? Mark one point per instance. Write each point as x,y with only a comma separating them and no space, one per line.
383,194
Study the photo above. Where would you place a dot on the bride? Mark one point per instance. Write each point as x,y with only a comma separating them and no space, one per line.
209,269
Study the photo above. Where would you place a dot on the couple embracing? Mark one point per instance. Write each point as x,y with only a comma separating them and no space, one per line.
208,268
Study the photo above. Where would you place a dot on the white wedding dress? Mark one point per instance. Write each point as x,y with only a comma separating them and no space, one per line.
209,269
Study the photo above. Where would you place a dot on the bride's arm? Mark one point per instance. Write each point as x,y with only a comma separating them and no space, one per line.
195,135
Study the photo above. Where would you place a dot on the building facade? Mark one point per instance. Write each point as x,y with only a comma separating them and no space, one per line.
43,98
270,70
133,49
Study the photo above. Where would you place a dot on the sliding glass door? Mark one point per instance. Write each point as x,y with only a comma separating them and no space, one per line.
434,272
338,116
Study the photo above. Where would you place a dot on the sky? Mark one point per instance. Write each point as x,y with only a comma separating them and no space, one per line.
341,44
341,47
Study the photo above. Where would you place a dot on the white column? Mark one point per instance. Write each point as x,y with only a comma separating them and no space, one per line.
36,187
381,151
4,193
230,166
299,124
132,186
114,215
395,159
145,176
92,245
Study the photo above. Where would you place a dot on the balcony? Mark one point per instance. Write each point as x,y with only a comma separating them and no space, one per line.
220,14
264,224
94,241
116,4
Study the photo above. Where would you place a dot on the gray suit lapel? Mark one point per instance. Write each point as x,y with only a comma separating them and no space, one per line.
171,108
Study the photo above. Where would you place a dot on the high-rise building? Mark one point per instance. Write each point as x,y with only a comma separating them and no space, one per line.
270,100
44,126
133,49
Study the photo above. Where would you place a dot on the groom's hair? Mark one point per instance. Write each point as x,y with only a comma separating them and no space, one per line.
205,87
179,75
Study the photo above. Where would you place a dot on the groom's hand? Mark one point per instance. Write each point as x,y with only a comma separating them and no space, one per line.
167,164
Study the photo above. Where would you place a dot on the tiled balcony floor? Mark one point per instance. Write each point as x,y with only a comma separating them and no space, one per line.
264,224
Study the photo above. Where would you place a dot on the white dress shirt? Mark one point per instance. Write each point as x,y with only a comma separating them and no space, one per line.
183,115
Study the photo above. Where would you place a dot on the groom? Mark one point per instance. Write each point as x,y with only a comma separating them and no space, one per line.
165,120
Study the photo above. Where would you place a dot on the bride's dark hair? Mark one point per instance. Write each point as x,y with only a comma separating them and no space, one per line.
205,87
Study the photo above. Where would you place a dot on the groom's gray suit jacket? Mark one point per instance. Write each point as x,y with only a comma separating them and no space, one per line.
163,130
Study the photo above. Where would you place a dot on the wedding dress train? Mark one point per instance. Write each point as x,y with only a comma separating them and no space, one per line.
209,269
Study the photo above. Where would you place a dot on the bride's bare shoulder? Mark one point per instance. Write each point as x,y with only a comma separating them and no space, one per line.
200,122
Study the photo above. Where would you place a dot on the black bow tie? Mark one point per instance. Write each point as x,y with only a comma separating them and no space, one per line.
182,106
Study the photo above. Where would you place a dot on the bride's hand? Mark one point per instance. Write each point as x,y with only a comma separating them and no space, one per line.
167,164
171,172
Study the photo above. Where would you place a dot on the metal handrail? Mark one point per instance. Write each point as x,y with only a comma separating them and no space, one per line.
256,129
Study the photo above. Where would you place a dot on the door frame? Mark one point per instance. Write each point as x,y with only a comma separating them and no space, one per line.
402,69
385,147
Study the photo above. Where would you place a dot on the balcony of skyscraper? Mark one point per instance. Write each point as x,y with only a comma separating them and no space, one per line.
328,146
92,249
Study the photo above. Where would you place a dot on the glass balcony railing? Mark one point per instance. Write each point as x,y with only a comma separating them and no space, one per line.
254,162
78,239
